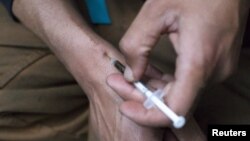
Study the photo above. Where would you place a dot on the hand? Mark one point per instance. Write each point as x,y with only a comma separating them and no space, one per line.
85,55
107,122
206,36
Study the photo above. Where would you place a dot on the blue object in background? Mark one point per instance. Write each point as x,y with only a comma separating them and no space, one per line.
98,11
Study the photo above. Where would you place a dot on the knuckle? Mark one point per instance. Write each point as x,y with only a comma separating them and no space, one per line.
127,46
124,45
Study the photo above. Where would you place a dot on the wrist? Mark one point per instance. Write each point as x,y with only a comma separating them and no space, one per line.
89,61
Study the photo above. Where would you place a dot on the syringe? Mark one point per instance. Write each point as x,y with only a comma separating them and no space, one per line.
153,99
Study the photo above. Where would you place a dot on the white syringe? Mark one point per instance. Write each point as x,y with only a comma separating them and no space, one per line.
154,99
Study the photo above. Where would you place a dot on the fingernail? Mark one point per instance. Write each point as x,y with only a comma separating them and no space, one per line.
128,74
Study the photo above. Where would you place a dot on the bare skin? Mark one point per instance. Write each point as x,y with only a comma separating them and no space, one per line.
74,43
206,36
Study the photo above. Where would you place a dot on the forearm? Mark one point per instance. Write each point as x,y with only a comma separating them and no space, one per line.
65,32
85,55
69,37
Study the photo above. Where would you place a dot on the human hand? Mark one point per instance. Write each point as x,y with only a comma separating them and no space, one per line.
85,55
106,120
206,37
154,80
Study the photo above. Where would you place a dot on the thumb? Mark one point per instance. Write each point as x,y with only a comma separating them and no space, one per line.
140,38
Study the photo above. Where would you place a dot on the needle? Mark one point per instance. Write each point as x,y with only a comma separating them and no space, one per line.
153,98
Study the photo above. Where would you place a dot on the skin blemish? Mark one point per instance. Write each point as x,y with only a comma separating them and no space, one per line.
106,55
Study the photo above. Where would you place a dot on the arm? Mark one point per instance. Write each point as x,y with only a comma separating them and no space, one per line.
84,54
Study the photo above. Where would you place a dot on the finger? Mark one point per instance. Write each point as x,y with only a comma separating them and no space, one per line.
181,93
156,84
191,69
138,113
140,38
167,77
124,89
133,107
153,72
